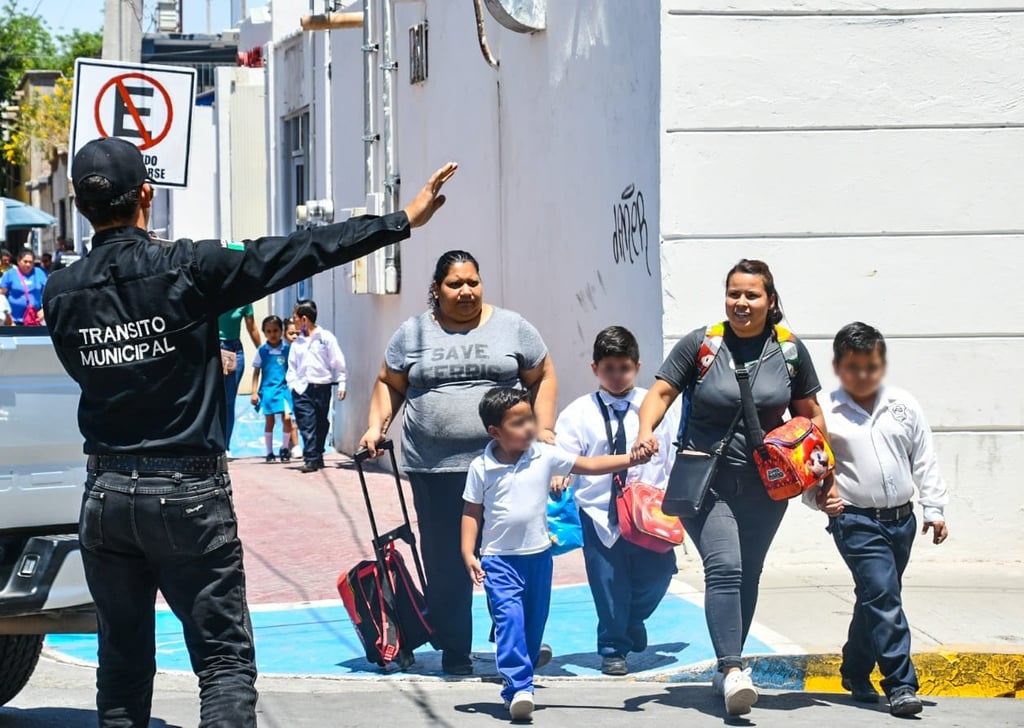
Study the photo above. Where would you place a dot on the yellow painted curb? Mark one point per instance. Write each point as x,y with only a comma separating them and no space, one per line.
951,674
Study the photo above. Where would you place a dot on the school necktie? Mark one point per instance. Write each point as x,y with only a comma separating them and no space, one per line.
618,448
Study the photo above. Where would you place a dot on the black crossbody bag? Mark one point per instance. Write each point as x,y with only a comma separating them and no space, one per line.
694,471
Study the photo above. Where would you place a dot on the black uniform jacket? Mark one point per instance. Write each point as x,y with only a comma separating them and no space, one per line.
135,324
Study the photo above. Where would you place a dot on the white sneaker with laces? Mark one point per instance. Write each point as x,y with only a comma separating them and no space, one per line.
521,707
739,692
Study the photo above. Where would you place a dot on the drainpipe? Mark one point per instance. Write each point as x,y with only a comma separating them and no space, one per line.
371,50
392,177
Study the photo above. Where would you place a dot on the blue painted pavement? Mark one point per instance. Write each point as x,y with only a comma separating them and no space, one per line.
320,640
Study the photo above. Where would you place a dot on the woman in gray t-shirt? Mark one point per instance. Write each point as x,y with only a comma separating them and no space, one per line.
439,364
738,520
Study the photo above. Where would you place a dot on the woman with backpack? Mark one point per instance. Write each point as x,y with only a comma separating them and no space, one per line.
735,521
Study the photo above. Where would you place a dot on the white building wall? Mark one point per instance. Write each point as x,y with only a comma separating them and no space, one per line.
871,153
547,145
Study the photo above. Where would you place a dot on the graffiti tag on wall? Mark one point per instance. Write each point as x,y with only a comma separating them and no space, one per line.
630,239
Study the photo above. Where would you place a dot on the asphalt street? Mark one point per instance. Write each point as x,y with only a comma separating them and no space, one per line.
57,696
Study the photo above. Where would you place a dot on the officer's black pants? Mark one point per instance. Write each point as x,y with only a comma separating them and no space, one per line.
313,417
177,534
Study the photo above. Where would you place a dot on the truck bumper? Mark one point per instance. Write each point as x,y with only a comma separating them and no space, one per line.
44,575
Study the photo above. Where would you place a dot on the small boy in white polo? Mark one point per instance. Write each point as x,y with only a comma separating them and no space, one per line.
507,490
883,449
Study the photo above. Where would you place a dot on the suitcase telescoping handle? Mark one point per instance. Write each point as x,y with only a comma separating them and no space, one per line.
403,532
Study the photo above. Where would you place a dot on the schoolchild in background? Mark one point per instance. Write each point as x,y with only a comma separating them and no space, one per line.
507,493
291,331
315,364
627,581
270,388
883,448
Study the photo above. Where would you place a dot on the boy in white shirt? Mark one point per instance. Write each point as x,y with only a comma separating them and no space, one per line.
315,363
507,490
627,581
883,447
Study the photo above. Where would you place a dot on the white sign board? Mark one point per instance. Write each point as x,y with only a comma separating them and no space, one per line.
147,105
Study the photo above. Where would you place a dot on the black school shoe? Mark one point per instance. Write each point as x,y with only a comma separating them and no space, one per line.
271,458
614,665
458,665
904,701
285,454
310,466
862,689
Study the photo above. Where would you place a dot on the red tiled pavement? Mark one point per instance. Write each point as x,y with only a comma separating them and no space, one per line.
301,530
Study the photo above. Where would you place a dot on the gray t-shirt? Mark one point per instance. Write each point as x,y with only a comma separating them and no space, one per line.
448,374
716,398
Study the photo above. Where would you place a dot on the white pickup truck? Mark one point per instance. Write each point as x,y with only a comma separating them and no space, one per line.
42,472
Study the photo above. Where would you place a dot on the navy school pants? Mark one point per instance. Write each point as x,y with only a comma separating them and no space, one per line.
627,582
877,553
313,417
519,593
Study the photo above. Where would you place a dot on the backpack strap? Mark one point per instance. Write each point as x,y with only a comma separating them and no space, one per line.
790,351
709,349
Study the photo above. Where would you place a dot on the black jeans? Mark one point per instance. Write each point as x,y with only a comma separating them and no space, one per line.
733,534
177,534
877,553
313,417
627,582
437,498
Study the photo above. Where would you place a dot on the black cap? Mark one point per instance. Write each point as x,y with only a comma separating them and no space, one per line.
115,160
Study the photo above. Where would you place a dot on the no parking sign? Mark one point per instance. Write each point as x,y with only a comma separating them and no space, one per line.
147,105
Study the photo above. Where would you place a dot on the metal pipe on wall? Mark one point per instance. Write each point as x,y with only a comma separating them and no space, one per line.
371,51
392,177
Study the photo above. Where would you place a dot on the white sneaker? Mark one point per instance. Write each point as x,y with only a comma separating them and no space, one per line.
521,707
739,692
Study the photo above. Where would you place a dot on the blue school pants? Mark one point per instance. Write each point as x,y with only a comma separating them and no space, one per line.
519,591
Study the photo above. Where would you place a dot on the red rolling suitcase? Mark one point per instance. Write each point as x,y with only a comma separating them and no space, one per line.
385,604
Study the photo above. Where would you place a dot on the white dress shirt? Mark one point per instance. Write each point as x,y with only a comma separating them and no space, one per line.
580,430
881,455
316,359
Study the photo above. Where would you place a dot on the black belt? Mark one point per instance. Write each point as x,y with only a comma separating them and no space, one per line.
883,514
188,465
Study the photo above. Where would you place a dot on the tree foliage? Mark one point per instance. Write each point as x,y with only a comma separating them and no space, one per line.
44,123
25,44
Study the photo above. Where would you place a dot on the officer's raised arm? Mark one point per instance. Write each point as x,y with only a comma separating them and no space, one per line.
230,278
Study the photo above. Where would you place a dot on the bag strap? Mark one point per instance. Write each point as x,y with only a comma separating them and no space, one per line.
745,379
747,406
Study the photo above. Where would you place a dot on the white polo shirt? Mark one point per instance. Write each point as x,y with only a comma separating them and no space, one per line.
580,430
881,455
515,498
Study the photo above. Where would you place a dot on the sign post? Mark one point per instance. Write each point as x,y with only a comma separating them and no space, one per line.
147,105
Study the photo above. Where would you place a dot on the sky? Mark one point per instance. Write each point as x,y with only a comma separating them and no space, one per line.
66,15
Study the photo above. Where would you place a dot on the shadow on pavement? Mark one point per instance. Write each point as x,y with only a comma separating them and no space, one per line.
62,717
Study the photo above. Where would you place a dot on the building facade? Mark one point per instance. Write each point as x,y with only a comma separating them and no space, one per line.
616,163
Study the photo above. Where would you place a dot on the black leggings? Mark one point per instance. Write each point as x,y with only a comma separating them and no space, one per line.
438,501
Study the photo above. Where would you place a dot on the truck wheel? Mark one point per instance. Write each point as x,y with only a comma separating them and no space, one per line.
19,654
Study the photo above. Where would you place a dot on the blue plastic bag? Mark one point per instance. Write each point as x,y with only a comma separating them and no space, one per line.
564,525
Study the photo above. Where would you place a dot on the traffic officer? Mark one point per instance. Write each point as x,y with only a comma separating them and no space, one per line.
135,324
